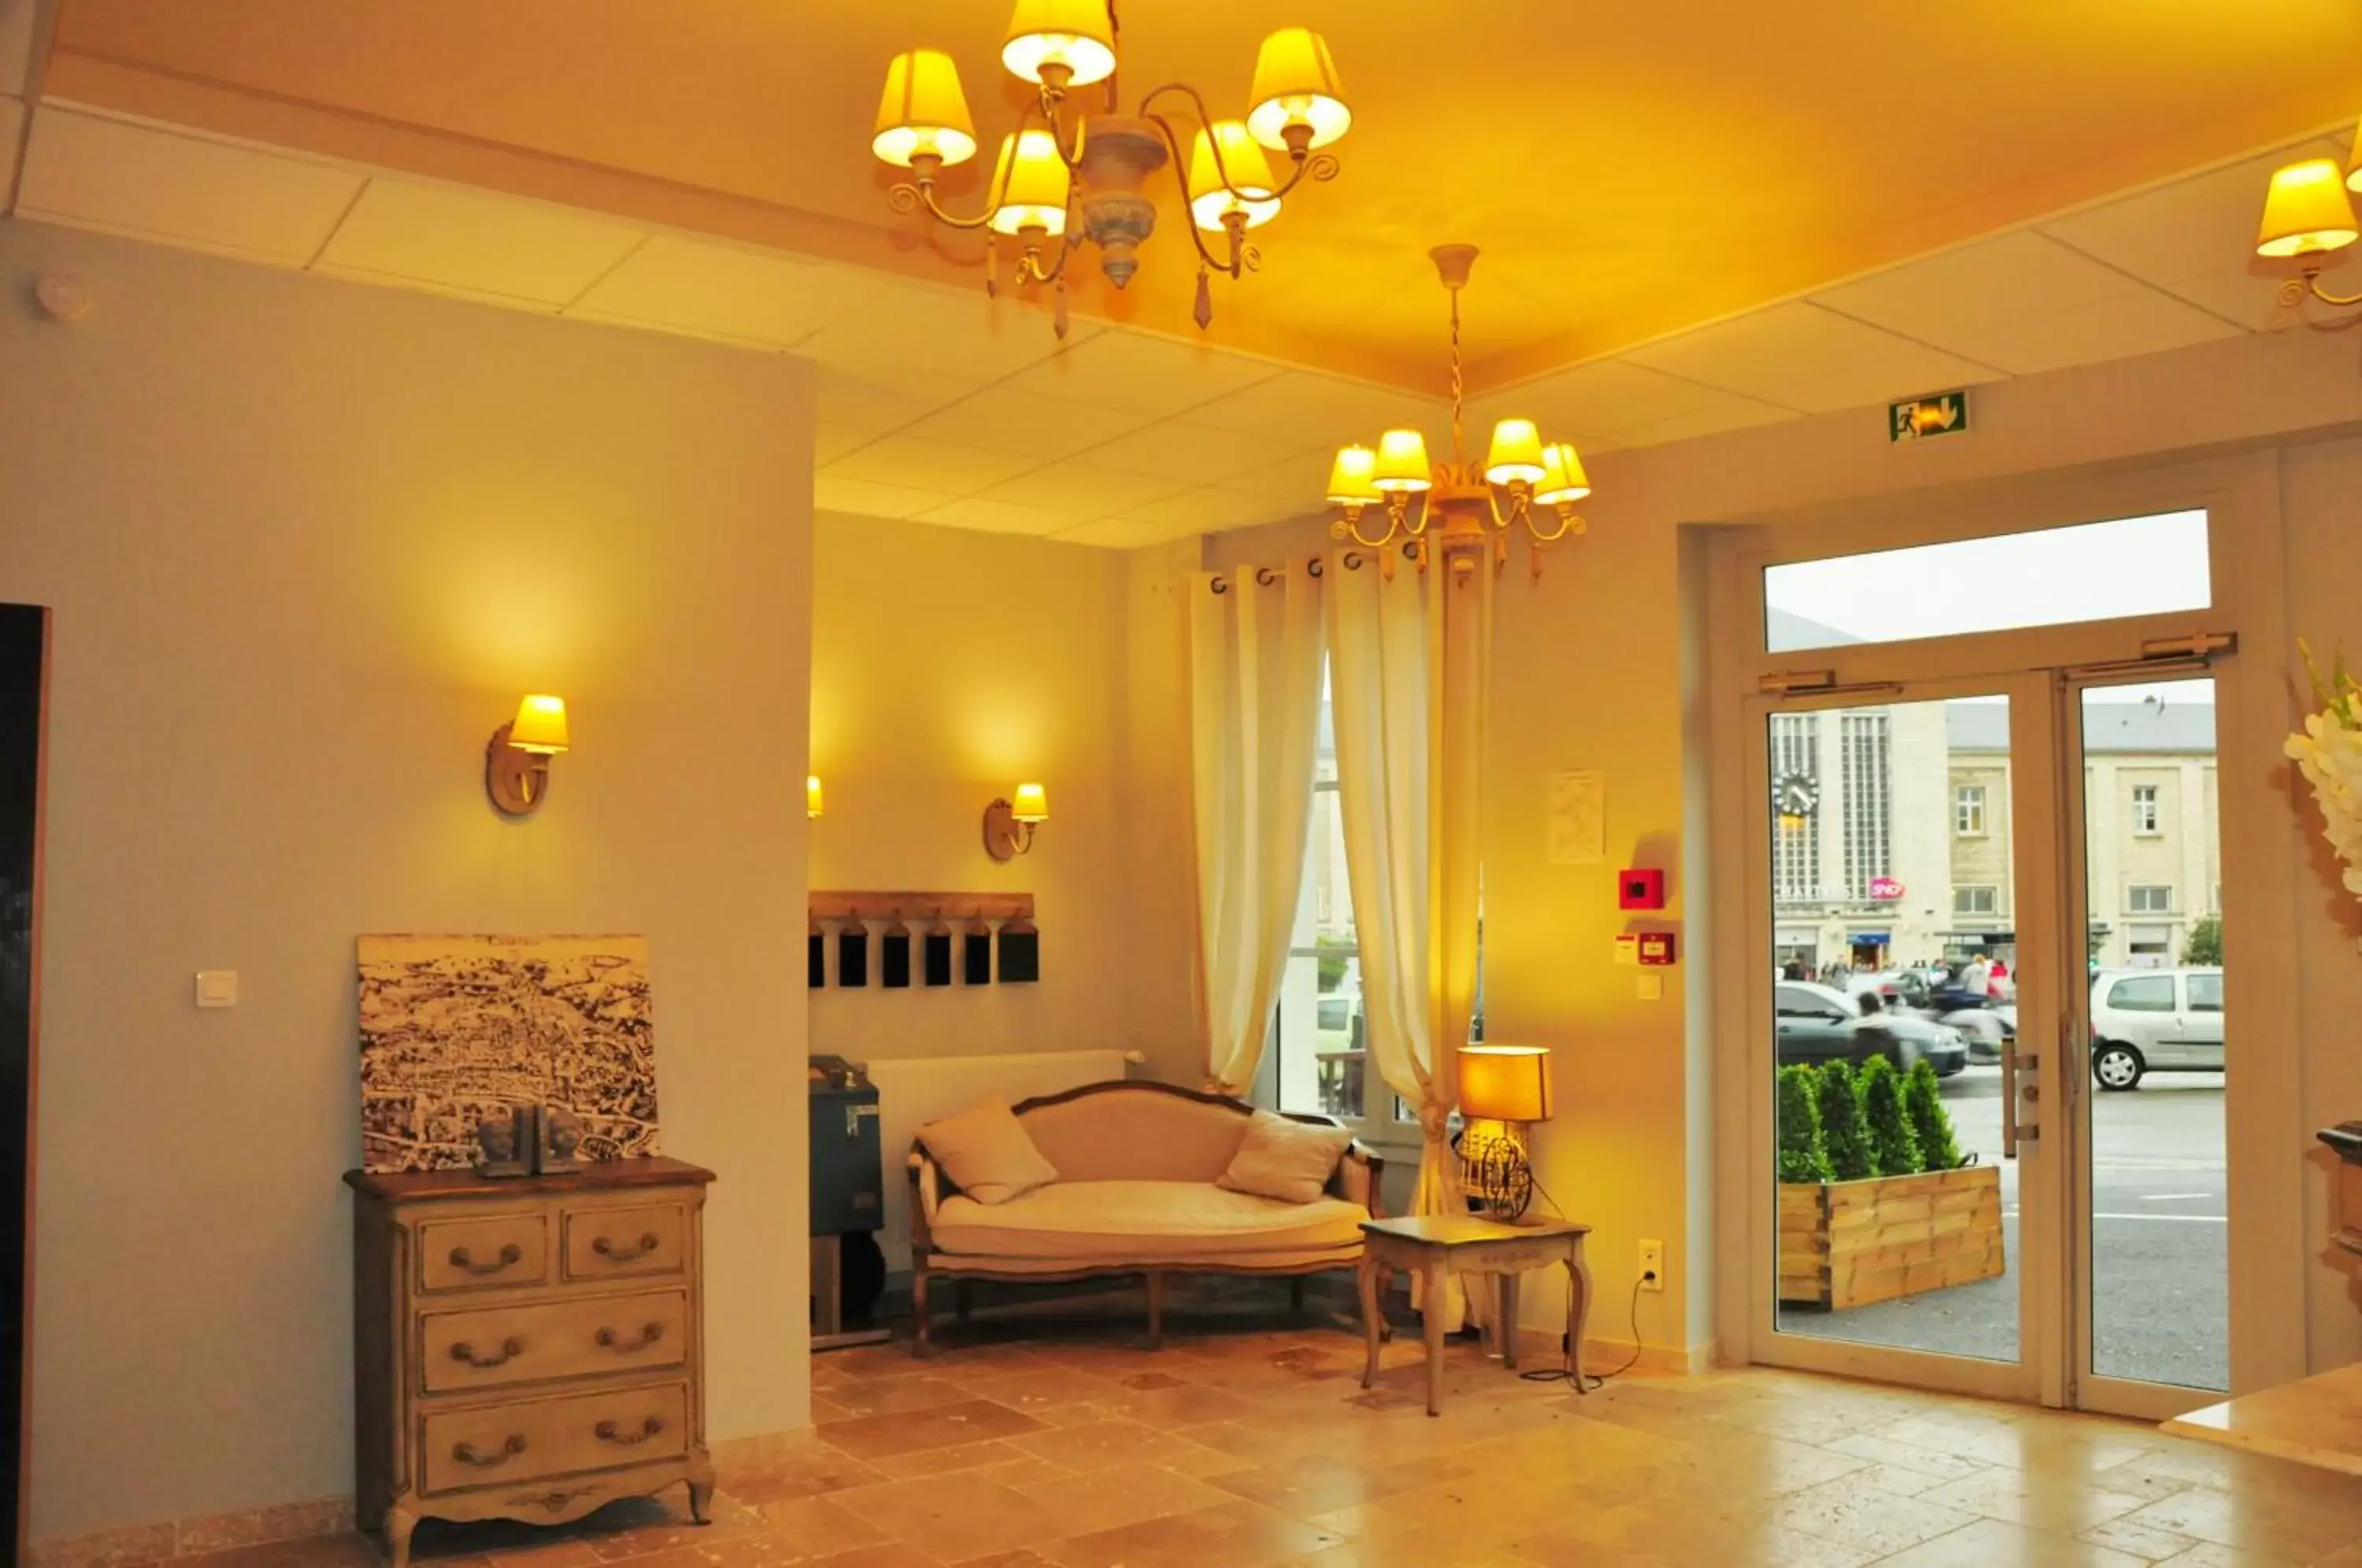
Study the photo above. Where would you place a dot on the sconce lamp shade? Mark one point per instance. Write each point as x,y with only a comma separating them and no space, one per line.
1075,34
540,726
1353,479
1505,1083
923,111
1562,479
1516,454
1402,462
1211,201
1029,185
2307,211
812,795
1030,804
1296,85
2353,163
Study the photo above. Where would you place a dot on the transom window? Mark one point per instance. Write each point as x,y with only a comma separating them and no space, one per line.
2150,899
1969,811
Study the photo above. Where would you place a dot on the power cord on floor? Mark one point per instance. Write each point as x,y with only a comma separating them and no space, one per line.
1572,1372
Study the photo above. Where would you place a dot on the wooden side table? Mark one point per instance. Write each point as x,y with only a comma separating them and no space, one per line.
1438,1247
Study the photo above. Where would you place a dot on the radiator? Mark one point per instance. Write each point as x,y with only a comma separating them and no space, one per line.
914,1090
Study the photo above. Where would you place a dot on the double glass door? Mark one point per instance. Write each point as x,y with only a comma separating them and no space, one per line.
1991,1054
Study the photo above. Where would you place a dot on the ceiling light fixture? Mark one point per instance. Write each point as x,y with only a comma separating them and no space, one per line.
1066,176
1460,505
2307,218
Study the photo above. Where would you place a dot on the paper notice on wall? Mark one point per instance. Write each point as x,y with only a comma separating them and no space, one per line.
1578,818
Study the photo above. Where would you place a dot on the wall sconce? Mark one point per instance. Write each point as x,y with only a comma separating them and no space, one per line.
812,795
1009,827
516,759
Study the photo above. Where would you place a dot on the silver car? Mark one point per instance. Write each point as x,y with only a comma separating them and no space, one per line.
2154,1021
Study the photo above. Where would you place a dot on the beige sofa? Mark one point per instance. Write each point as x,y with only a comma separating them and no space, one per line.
1135,1194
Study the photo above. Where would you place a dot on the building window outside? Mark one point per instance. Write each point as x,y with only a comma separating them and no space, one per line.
1869,850
1796,841
2149,899
1976,900
2145,814
1969,811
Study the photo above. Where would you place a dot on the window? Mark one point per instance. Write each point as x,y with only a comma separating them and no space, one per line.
2149,899
1797,1001
1796,839
1863,741
1969,811
2205,993
2144,820
2144,993
1976,900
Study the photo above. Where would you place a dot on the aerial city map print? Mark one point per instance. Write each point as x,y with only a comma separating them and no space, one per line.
455,1029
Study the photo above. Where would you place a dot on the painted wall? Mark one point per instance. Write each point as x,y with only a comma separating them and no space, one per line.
947,666
307,542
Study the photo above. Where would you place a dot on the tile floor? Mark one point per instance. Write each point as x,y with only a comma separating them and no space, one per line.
1052,1439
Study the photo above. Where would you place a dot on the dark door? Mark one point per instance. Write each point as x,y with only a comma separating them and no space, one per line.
24,646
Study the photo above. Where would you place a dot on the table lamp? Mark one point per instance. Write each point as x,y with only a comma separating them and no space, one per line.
1502,1087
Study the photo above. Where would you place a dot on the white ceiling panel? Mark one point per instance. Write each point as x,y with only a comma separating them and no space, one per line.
1027,422
1000,517
1710,421
965,335
477,242
1800,355
1123,534
832,492
876,404
1210,508
130,178
1301,476
1598,399
931,465
1144,373
2025,303
1186,454
1092,493
718,290
1314,410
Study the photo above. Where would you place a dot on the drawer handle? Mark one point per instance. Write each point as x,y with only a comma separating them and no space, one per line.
465,1452
608,1339
606,1248
607,1432
510,1348
511,1256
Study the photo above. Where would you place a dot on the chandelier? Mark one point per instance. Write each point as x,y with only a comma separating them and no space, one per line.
1067,175
1461,504
2307,218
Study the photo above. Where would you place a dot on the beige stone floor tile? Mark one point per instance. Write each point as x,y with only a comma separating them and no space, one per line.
812,1471
1994,1544
1728,1531
1238,1534
1936,1463
1868,1521
1313,1484
814,1526
1190,1405
1036,1389
885,1395
1477,1509
2138,1541
1107,1499
943,1461
560,1550
341,1550
954,1516
939,1426
892,1554
1100,1445
2064,1504
2253,1521
2206,1555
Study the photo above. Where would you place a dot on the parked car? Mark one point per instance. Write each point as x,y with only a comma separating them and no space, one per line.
1812,1023
2154,1021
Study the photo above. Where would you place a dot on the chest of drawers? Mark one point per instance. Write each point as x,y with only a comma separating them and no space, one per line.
528,1348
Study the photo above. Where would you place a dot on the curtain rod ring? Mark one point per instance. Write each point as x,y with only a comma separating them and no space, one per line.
1353,560
1266,576
1313,567
1221,585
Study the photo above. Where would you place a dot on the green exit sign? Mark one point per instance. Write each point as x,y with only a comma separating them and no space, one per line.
1945,413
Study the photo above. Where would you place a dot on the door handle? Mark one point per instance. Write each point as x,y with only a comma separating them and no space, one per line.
2012,1134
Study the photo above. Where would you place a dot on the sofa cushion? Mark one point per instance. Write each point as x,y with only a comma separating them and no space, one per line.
1181,1221
1137,1132
1291,1161
986,1150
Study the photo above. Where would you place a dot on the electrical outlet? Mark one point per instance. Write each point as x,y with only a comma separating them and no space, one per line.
1652,1265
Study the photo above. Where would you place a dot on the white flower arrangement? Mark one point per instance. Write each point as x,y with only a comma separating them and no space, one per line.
2329,752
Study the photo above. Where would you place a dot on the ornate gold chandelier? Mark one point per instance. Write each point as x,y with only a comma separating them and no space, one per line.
1066,176
1460,503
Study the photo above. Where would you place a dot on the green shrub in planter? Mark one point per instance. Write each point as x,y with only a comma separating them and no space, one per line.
1845,1133
1803,1156
1891,1137
1939,1150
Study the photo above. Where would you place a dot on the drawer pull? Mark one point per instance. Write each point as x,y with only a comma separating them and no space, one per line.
510,1348
649,1241
465,1452
511,1256
607,1432
607,1339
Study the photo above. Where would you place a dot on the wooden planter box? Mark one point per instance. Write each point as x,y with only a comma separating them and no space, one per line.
1852,1242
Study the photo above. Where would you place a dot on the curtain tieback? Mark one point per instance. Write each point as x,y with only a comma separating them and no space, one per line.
1435,1122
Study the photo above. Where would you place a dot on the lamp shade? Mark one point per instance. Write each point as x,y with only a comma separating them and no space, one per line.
923,111
1402,462
812,795
1516,454
1353,479
1030,804
1295,84
1562,479
1076,34
2353,163
539,725
1505,1083
1030,185
1249,191
2307,210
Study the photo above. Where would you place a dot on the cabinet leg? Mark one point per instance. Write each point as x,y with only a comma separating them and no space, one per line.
700,1499
400,1522
1155,1312
923,1339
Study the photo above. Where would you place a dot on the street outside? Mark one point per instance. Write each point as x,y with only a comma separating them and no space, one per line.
2161,1266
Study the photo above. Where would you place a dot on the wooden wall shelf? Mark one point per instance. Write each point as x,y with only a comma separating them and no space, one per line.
1002,906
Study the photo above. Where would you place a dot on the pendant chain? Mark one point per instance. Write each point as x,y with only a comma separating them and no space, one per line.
1456,453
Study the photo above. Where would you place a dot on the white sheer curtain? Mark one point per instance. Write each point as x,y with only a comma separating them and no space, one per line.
1254,720
1408,674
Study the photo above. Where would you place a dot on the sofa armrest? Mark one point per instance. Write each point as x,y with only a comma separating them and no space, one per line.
1360,1178
926,1193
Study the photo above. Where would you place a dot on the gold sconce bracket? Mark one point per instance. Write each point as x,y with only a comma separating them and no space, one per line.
1005,837
517,782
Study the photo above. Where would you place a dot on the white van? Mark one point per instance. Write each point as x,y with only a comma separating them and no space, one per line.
2154,1021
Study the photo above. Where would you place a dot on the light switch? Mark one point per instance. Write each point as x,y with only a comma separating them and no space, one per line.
217,987
1649,985
1628,949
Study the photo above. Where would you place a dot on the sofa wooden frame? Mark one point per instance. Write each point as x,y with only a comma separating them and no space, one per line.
926,1264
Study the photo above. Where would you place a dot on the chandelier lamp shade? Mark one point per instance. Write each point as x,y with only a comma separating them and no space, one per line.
1074,172
2309,219
1466,509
